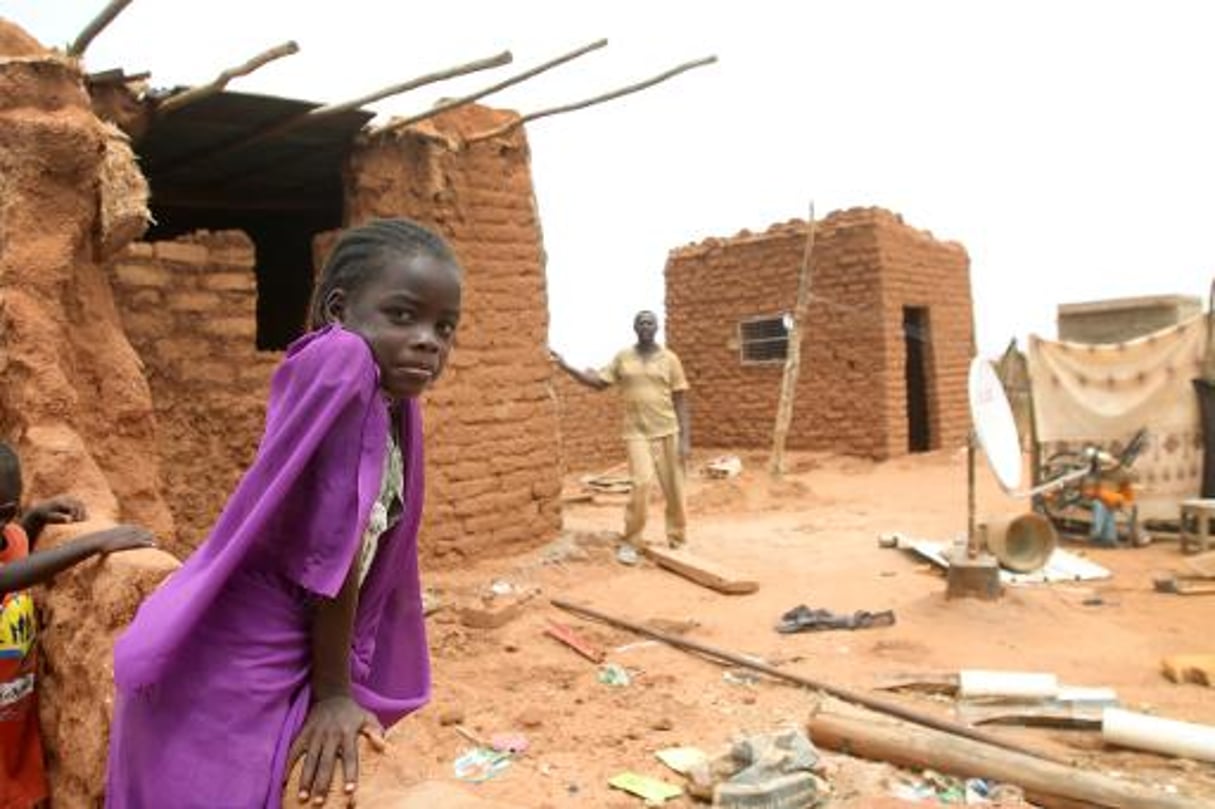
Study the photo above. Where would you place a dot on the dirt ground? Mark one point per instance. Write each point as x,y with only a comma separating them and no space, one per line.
811,539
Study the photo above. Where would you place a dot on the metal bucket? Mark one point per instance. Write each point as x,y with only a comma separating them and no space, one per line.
1022,543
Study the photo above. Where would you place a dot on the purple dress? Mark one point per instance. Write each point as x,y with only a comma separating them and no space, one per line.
213,674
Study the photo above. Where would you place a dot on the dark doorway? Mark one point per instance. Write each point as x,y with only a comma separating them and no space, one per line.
916,340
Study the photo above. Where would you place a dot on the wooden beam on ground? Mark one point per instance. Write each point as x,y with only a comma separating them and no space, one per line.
702,571
217,85
510,126
873,703
320,113
502,85
793,357
98,24
1047,783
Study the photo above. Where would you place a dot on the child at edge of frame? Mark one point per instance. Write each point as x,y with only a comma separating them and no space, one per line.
23,782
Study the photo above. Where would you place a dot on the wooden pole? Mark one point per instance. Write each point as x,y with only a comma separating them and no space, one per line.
216,85
99,23
873,703
793,358
498,60
312,116
590,102
502,85
972,533
1046,783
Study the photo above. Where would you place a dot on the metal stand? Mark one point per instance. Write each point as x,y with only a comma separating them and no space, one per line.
973,572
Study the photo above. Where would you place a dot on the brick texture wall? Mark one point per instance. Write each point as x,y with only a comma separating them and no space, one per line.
590,427
919,271
189,309
492,429
851,398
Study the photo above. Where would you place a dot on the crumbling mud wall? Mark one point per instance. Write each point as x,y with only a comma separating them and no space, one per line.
74,399
493,452
590,427
190,309
851,395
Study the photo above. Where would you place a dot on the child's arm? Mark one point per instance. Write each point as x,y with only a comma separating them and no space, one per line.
40,567
57,510
335,720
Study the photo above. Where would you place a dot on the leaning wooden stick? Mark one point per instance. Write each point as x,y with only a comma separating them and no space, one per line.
312,116
793,357
504,58
215,86
99,23
590,102
1046,783
502,85
848,695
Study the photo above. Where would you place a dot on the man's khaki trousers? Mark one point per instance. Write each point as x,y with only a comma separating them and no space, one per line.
653,459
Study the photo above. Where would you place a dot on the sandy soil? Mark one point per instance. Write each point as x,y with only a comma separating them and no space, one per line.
811,539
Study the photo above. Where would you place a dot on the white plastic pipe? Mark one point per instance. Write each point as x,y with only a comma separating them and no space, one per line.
1169,736
980,684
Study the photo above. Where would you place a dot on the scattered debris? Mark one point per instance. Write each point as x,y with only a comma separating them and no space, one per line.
702,571
608,483
614,675
1044,781
985,684
653,791
768,769
1062,566
804,619
513,743
564,634
682,759
1190,668
1169,736
480,764
740,677
1185,585
723,467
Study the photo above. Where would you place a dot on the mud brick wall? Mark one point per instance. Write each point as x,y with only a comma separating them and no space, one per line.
189,309
590,427
917,270
851,395
492,430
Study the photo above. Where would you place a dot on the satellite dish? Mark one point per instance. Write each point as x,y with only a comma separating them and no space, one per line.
995,427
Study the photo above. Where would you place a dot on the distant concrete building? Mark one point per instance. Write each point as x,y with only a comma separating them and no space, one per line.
1121,319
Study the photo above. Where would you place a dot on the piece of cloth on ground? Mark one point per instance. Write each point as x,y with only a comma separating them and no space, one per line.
804,619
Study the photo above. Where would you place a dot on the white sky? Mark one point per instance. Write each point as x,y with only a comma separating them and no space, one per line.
1067,145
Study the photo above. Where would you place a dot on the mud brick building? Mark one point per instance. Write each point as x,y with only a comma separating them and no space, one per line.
888,337
221,285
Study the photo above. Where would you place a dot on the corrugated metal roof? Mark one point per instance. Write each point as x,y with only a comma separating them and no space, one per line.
194,157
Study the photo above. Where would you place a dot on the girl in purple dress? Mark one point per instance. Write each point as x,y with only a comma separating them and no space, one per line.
297,626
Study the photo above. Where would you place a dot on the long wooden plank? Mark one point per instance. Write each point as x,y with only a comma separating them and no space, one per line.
702,571
1044,782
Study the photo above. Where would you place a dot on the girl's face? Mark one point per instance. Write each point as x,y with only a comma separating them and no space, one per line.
408,313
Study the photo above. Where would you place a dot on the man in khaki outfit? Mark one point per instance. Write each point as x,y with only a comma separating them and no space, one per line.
657,430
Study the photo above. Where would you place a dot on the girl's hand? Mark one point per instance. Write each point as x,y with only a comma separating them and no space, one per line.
331,732
121,538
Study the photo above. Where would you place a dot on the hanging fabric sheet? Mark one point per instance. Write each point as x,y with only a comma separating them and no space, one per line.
1101,394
